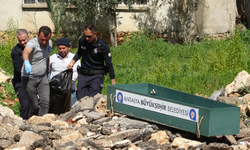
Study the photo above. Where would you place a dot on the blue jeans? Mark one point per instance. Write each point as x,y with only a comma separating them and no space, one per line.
73,97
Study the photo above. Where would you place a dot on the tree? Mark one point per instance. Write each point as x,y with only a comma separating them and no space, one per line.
56,11
98,12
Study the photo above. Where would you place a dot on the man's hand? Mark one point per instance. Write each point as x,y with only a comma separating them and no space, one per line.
27,66
71,64
112,81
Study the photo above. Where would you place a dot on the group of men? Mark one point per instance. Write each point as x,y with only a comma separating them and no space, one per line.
32,66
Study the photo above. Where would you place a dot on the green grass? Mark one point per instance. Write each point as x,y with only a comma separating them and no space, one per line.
197,68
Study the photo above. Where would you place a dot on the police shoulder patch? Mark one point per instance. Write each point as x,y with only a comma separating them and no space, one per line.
109,54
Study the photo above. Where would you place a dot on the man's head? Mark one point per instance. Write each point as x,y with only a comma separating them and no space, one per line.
90,33
44,35
63,47
22,37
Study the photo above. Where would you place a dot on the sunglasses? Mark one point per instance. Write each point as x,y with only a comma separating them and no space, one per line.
88,36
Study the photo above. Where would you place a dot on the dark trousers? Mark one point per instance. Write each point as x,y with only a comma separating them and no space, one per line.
23,99
38,87
89,85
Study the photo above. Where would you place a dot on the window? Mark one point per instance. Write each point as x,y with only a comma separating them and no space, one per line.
29,1
141,2
35,1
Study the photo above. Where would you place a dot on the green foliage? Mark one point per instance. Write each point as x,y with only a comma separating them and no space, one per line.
56,10
197,68
10,92
228,55
6,47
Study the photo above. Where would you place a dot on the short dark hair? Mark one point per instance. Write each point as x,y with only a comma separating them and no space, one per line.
45,30
22,31
90,27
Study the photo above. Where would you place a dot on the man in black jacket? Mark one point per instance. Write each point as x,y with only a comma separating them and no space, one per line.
16,55
94,52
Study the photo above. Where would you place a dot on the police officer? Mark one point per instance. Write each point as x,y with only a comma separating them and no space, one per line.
16,55
94,52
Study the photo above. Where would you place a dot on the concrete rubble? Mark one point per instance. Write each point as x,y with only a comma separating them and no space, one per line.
90,126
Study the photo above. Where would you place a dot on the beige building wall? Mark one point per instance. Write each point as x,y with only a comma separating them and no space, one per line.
30,17
215,17
219,16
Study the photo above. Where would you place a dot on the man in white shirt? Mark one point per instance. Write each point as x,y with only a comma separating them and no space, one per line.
59,61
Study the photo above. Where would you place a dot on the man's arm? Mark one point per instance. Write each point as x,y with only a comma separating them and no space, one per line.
112,81
109,64
71,64
26,53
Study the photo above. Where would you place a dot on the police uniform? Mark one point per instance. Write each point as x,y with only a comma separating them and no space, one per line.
17,59
92,70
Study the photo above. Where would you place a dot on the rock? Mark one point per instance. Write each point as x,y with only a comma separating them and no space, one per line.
141,134
17,148
91,145
218,93
86,103
243,108
101,106
121,135
29,137
36,129
42,143
95,115
74,110
72,136
240,81
217,146
242,125
61,123
48,118
4,143
8,131
83,130
161,137
107,129
230,140
230,100
245,132
50,135
101,120
5,111
149,145
246,97
8,120
91,126
120,144
185,143
3,77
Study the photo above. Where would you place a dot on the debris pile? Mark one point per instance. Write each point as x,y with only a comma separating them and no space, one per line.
90,126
